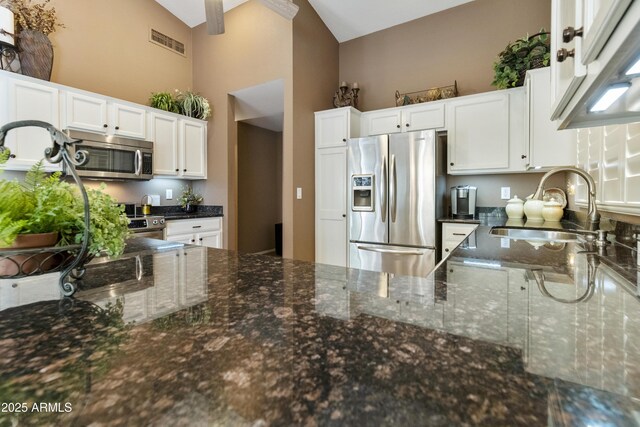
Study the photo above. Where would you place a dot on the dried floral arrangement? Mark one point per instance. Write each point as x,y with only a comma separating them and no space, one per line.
33,16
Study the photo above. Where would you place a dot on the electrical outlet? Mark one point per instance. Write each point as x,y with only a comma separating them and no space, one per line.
299,193
505,243
505,193
169,194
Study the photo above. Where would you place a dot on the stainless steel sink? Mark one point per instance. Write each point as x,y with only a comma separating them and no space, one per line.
541,234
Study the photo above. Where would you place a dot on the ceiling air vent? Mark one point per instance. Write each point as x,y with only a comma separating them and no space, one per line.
165,41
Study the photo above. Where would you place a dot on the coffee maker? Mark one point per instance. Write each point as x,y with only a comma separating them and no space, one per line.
463,201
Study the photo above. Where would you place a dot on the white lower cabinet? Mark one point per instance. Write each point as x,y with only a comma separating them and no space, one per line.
21,99
486,132
199,231
453,234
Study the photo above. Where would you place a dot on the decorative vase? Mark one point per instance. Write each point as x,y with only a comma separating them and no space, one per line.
189,208
36,54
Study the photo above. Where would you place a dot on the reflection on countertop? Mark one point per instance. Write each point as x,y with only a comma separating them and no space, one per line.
213,336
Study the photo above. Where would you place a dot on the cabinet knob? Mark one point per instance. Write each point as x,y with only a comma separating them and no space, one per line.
408,125
451,164
12,156
201,239
184,170
344,215
344,139
570,33
446,250
177,170
193,240
523,156
563,54
117,127
105,125
398,126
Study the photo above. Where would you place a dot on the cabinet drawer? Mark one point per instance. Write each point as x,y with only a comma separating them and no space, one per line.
197,225
457,232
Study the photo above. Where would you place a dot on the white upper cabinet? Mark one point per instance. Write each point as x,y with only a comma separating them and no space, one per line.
164,134
100,114
25,100
545,146
335,127
85,112
129,121
404,119
193,142
594,43
486,132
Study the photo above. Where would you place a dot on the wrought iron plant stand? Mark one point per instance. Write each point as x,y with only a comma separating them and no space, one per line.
73,257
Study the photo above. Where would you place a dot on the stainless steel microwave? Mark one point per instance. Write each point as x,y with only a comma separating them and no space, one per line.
112,157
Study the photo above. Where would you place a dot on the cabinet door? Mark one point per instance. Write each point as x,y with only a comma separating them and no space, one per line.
478,138
567,75
600,20
632,165
85,112
548,147
332,127
29,101
424,116
211,239
383,122
129,121
194,149
331,206
164,134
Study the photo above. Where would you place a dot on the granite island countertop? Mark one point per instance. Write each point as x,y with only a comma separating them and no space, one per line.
191,335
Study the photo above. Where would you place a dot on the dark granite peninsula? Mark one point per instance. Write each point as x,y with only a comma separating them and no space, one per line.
196,336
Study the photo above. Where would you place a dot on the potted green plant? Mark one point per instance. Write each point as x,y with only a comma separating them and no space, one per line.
194,105
164,101
189,200
519,56
46,207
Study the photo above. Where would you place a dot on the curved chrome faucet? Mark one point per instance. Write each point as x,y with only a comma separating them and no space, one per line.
593,216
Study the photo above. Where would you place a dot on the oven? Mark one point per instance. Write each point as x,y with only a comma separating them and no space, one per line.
149,226
112,157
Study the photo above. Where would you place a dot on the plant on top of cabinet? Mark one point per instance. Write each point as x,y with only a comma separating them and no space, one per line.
518,57
164,101
194,105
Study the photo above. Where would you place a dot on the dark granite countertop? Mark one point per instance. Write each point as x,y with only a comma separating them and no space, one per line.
176,212
190,335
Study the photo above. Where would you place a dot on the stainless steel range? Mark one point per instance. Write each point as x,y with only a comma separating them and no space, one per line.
150,226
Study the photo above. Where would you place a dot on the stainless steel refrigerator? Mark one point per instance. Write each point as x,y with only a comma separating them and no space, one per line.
396,193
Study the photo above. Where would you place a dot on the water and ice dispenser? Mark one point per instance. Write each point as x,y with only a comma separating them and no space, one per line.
363,193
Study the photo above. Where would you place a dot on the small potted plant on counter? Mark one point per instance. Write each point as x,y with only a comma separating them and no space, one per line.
189,200
45,211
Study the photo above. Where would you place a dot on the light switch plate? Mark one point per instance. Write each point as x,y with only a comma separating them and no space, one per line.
505,193
299,193
505,243
155,199
169,194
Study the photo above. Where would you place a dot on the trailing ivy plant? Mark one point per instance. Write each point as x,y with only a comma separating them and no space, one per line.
518,57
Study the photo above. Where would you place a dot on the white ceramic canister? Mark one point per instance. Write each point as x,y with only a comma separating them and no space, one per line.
533,209
552,211
515,208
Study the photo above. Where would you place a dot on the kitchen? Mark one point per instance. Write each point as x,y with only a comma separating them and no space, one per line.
308,64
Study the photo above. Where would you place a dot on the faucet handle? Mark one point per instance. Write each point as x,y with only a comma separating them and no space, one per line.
602,237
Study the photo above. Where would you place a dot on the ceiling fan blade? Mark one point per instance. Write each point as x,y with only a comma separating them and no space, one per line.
285,8
215,16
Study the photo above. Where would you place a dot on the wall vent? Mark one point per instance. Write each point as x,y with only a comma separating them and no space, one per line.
160,39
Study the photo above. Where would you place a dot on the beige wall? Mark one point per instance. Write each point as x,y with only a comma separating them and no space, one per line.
315,73
105,48
258,187
457,44
256,48
488,193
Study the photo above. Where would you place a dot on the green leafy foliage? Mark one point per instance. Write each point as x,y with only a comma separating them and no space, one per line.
188,196
518,57
164,101
45,203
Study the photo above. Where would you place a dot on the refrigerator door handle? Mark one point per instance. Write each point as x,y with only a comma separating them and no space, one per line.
384,190
393,188
390,251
